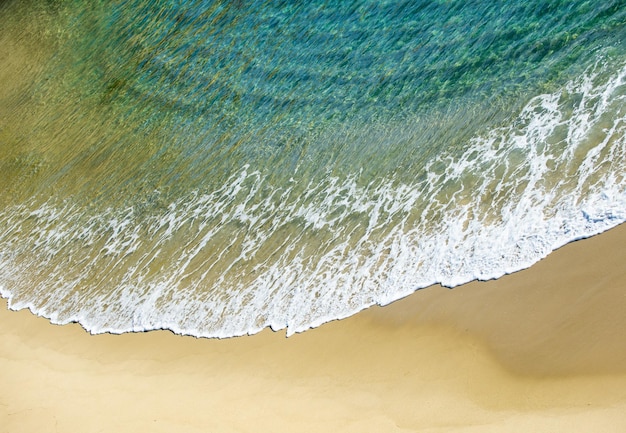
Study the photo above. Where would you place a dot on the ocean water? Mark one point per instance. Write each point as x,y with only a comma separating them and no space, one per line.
215,168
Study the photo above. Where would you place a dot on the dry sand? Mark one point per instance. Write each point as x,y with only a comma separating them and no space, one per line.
542,350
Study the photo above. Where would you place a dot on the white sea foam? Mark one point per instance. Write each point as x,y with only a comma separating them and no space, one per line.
237,259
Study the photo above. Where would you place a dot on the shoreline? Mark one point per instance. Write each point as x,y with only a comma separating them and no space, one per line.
542,349
575,298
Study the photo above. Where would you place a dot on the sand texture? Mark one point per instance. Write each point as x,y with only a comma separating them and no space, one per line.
542,350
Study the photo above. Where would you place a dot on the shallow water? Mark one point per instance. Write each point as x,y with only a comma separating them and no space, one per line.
218,168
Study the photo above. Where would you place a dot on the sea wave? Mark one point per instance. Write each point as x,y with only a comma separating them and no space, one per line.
253,254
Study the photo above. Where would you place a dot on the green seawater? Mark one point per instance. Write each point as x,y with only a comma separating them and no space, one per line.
219,167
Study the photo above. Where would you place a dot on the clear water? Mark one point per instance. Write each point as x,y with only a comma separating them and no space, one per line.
217,168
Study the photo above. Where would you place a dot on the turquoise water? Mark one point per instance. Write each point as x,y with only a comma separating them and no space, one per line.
217,168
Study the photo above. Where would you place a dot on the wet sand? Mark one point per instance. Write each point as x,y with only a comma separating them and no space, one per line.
542,350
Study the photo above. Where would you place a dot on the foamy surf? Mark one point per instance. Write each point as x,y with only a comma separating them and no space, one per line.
235,260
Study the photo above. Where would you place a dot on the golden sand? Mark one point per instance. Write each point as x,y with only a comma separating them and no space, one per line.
542,350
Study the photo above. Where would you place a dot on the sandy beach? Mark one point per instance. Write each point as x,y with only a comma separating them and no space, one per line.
541,350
